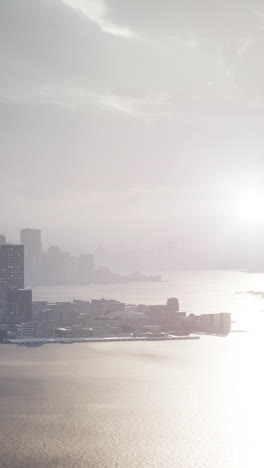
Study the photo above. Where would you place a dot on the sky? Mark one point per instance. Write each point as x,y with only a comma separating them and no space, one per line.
131,122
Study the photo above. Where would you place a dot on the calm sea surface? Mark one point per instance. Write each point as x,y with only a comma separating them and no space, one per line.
157,404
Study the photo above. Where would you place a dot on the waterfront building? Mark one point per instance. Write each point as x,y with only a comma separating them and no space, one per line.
23,300
37,308
45,329
37,329
103,321
110,318
135,319
106,306
173,304
15,305
12,266
27,330
8,311
219,324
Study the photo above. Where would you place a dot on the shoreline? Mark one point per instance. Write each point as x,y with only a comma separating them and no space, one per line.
41,341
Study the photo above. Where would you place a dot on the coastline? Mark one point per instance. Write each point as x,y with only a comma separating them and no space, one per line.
41,341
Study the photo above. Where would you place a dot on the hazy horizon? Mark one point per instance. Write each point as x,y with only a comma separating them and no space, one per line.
131,136
133,123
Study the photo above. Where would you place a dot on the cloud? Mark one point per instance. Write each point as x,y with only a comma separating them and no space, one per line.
85,109
232,29
46,44
188,19
95,11
63,56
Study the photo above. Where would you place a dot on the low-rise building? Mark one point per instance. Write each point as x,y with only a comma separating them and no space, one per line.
37,329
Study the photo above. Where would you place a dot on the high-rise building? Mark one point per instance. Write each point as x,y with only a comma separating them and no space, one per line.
12,266
2,239
31,239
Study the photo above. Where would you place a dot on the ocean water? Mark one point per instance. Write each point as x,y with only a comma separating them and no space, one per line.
183,404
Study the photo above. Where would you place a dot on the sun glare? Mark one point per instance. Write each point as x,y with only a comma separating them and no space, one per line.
249,207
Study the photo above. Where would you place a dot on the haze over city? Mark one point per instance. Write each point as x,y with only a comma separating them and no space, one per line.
131,233
133,123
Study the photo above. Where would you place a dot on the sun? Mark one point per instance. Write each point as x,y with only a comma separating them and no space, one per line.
249,207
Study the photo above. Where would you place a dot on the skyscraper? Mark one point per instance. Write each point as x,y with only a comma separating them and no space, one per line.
12,266
31,240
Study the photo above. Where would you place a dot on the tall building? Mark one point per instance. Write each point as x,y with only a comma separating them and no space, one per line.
12,266
2,239
31,239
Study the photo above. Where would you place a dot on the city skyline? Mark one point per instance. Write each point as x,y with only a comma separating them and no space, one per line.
131,233
133,130
207,251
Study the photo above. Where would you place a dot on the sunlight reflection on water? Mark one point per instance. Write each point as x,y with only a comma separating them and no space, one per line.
133,405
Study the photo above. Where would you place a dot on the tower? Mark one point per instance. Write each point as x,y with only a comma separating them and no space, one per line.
31,240
12,266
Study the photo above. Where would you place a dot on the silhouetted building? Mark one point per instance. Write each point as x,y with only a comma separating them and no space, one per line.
27,330
31,239
2,239
15,305
36,329
23,300
57,267
219,324
167,315
12,266
106,306
173,304
37,307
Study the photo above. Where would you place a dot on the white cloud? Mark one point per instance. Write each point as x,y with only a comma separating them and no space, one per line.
95,10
